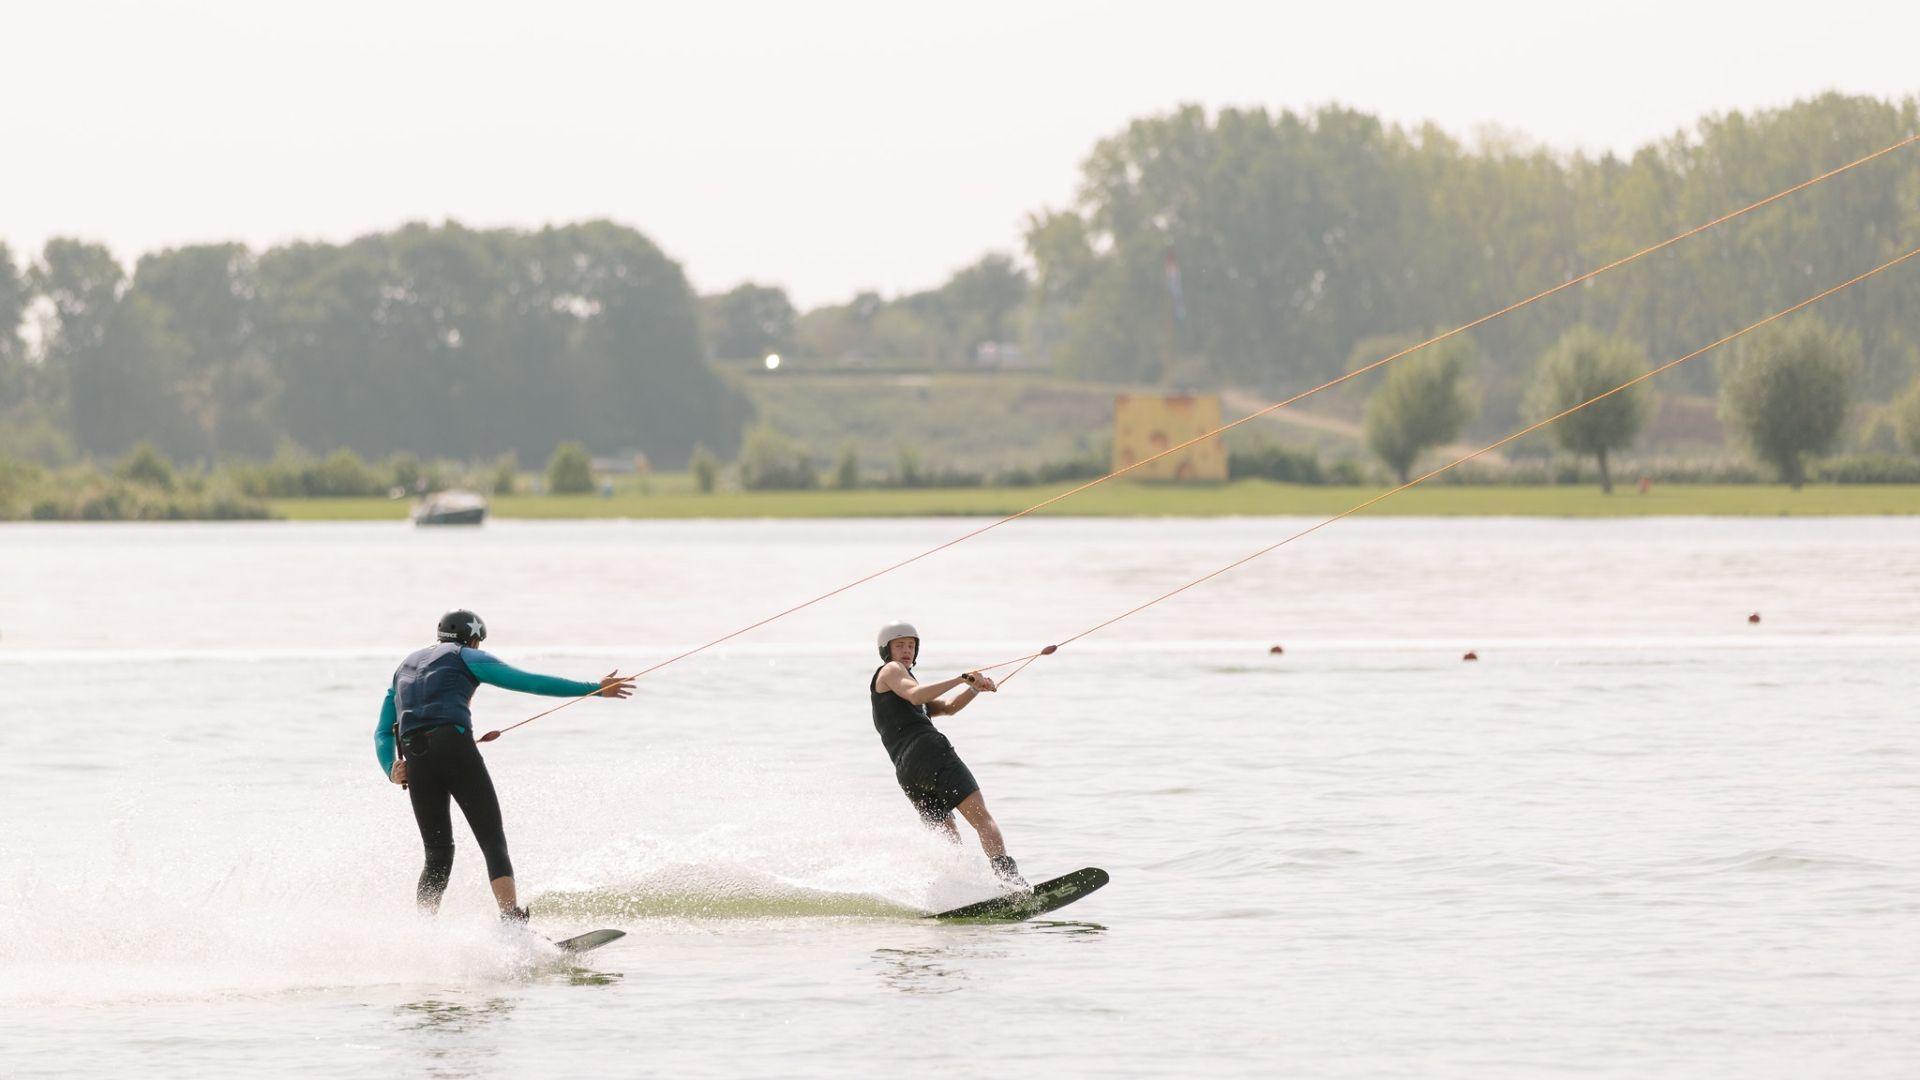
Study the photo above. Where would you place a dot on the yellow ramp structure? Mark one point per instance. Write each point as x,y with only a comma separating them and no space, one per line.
1146,424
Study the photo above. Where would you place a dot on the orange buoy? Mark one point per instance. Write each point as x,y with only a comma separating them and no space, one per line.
1471,655
1276,651
1754,618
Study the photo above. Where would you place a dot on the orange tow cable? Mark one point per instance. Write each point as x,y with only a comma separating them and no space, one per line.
1023,661
1216,432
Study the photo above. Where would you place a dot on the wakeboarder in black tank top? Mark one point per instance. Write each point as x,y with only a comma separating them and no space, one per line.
925,765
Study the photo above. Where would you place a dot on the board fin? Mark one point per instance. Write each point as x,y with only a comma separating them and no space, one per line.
1047,896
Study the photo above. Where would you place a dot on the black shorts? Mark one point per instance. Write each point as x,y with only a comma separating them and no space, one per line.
934,777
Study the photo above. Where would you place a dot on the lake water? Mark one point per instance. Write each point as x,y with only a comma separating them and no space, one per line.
1639,837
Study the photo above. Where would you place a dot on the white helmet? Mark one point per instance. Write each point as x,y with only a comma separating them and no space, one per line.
894,630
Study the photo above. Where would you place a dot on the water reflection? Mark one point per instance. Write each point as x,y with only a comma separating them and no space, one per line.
441,1033
454,1017
1064,926
946,966
581,976
920,971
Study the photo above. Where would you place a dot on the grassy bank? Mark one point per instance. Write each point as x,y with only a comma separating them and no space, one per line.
1117,499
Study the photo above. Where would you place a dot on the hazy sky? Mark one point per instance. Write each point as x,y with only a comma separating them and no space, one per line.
826,146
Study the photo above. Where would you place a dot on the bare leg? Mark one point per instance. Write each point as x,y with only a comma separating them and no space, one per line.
947,826
974,809
503,894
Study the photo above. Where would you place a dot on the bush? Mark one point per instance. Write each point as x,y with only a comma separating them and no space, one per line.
1869,469
1085,466
86,495
17,480
343,473
506,474
570,470
906,471
293,475
1906,417
147,468
770,461
1271,462
706,469
406,472
846,473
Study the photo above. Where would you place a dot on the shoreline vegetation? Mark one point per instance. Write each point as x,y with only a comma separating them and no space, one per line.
1248,498
1266,482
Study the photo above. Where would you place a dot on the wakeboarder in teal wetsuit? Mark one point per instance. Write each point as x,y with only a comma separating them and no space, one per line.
425,743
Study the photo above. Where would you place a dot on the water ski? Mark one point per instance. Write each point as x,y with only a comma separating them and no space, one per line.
589,941
1019,907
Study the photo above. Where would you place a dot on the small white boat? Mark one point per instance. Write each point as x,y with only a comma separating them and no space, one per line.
451,508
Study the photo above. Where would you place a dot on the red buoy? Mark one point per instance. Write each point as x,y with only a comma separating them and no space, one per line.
1753,618
1276,651
1471,655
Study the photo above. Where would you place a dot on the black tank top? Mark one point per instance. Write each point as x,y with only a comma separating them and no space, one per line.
897,721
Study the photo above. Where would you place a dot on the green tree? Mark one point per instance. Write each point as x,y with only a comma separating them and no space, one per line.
770,461
15,294
204,300
121,370
1298,233
1785,390
978,303
464,343
1583,365
1423,403
570,470
748,322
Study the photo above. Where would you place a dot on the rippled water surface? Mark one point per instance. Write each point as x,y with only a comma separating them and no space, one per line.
1640,836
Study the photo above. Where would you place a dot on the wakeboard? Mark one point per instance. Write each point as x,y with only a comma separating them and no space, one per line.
588,941
1019,907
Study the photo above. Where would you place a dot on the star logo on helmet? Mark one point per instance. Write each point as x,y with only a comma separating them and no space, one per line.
476,630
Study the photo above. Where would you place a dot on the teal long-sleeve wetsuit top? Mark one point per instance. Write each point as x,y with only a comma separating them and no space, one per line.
492,671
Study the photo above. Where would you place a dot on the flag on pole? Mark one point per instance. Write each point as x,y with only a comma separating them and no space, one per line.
1173,288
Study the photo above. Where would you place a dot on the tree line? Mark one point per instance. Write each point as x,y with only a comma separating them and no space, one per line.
441,341
1242,247
1785,392
1266,249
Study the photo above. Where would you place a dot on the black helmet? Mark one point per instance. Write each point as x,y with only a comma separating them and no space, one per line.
462,626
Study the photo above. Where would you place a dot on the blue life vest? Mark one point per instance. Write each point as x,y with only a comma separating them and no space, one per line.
433,687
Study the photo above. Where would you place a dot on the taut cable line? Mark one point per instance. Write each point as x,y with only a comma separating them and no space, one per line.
1023,661
1223,429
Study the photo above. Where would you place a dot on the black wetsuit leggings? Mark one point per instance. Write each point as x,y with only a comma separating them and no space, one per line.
443,763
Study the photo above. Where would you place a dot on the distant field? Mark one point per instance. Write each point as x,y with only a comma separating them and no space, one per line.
985,421
967,421
672,497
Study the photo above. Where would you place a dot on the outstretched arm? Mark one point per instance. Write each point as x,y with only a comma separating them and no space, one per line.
491,670
383,736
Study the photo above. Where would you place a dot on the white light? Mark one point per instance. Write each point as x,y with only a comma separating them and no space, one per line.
773,361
